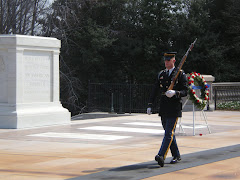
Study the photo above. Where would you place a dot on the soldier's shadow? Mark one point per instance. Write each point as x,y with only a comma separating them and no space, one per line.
144,166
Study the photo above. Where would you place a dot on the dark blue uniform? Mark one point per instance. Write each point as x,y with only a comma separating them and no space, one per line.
170,108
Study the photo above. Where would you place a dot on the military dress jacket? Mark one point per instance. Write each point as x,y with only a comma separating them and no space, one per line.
169,107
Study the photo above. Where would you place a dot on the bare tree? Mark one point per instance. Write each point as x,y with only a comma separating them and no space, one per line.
21,16
64,19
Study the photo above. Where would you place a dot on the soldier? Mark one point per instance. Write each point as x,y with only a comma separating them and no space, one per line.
170,106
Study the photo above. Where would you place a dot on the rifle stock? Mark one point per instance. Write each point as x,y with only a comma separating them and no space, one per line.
181,64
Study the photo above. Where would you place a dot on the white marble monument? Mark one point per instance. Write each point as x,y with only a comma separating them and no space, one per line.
29,76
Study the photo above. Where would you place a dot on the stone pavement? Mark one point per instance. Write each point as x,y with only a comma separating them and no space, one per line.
123,147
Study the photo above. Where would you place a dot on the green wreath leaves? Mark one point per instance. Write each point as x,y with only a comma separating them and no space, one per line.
196,81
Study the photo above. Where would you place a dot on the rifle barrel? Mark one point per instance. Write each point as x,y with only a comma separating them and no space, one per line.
181,64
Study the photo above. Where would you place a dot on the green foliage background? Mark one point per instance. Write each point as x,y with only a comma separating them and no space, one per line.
122,41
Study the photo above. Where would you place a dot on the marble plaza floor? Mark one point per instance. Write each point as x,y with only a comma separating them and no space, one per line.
123,147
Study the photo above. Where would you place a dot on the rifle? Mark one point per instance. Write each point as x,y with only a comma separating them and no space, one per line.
180,65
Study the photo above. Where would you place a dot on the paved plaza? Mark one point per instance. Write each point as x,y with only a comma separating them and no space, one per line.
123,147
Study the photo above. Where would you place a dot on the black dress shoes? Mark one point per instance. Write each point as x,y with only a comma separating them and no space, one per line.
160,160
175,160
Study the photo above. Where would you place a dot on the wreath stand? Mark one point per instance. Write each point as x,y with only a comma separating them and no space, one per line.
202,114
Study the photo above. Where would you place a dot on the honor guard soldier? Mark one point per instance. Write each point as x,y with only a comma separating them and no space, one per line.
170,106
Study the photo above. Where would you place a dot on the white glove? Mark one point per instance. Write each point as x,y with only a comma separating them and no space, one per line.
170,93
149,111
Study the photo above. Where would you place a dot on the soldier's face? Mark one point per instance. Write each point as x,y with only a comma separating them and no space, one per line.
170,64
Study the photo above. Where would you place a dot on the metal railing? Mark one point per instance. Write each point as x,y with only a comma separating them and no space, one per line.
119,98
225,92
133,98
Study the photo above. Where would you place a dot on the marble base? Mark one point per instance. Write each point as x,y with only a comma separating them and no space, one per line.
33,115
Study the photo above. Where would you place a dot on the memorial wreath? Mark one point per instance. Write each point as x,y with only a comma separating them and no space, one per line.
196,81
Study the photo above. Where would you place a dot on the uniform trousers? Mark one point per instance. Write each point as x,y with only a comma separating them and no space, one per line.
169,140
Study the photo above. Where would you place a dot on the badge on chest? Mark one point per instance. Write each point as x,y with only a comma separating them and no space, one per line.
164,82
